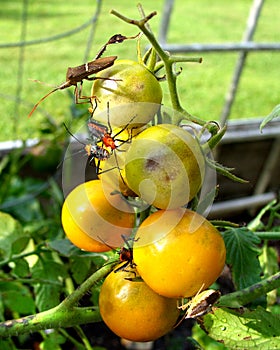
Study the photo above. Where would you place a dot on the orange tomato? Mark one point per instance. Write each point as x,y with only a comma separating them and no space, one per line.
94,219
178,252
132,310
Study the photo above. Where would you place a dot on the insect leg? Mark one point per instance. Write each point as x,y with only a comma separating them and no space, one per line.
108,119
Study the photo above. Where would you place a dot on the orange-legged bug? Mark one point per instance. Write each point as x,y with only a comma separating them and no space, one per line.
92,149
104,134
125,254
96,152
76,75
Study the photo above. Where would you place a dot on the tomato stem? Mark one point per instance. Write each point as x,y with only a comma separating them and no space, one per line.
168,61
66,313
247,295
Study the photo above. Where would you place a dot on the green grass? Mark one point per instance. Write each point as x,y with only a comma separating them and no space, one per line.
202,87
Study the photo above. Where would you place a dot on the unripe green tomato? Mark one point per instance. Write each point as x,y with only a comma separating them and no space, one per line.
132,91
165,166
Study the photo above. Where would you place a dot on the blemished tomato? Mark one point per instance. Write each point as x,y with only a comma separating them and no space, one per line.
165,166
132,310
178,252
94,219
132,92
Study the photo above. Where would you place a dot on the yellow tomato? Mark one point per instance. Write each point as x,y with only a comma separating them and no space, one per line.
132,310
94,219
178,252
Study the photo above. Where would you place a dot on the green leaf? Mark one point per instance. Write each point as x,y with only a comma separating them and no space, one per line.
204,340
80,269
272,115
64,247
2,308
53,341
12,238
17,298
21,268
50,275
242,256
7,344
258,329
22,200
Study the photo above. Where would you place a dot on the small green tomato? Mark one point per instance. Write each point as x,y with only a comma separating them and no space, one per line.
132,91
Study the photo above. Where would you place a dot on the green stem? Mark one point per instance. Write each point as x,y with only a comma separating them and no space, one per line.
268,235
83,338
75,342
73,298
66,314
168,63
247,295
53,318
214,140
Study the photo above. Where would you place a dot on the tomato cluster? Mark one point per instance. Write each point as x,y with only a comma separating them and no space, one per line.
176,251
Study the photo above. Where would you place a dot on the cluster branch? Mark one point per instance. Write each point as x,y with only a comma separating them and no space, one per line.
65,314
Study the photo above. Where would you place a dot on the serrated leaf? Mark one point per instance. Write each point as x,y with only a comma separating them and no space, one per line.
203,340
275,113
47,291
242,256
12,237
258,329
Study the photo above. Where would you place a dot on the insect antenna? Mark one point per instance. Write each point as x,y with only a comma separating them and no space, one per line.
41,99
71,134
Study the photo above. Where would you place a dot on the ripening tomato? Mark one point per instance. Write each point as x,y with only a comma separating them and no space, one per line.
94,219
132,92
178,252
165,166
132,310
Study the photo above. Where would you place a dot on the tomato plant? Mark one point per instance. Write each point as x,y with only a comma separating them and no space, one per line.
146,203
